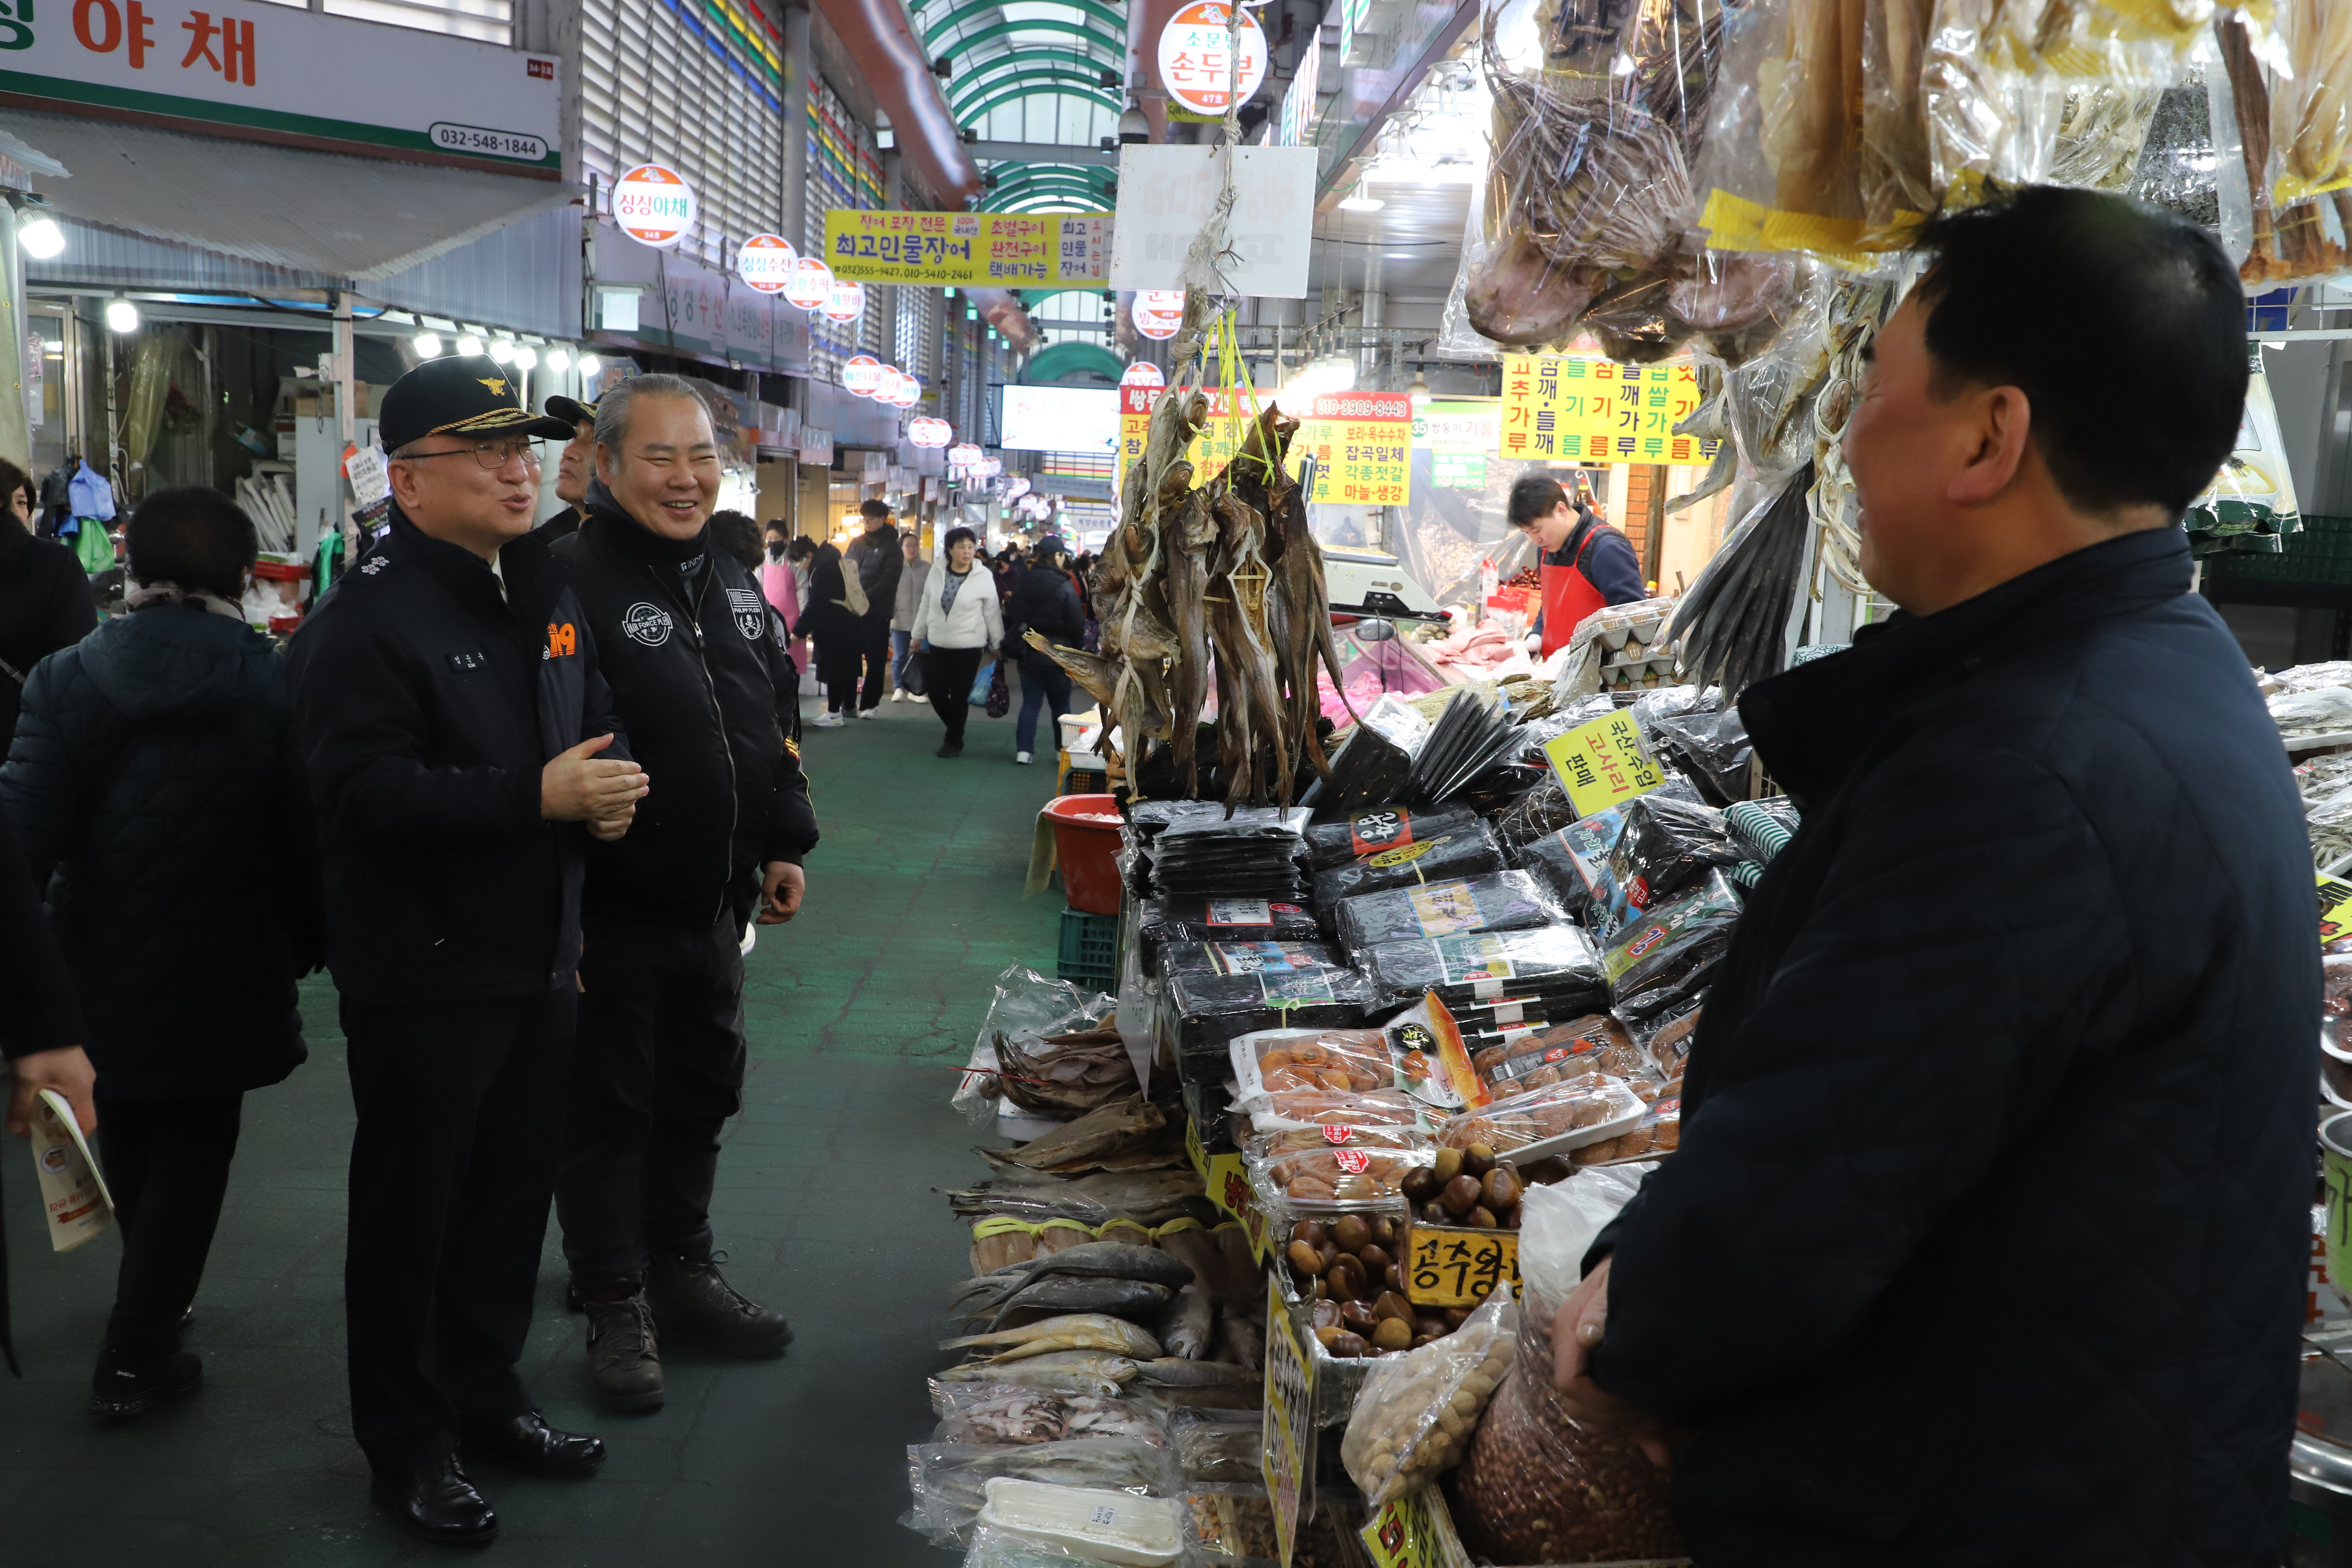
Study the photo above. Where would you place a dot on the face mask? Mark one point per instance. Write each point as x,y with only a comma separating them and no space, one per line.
775,550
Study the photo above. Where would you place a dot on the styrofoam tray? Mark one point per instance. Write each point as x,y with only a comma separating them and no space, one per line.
1110,1526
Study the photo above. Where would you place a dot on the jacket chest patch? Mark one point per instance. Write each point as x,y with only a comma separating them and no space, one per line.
647,624
472,663
750,612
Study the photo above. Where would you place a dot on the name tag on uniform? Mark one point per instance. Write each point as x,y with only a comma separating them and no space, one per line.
468,663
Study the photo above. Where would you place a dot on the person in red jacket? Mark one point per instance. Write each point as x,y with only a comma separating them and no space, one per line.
1587,564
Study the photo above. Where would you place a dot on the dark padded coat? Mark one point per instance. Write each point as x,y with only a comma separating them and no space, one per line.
880,562
44,604
1987,1240
1044,602
699,676
154,784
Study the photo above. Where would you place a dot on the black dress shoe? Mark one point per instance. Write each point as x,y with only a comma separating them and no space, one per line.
434,1501
121,1387
528,1443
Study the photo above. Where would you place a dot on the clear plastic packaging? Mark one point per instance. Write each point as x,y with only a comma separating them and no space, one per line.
1270,1063
1536,1486
2321,711
1554,961
1202,1012
1762,829
994,1547
1366,833
1552,1119
1468,849
1656,1135
949,1480
1106,1526
1006,1415
1672,943
1315,1179
1663,846
1027,1006
1218,1447
1500,900
1417,1411
1595,1043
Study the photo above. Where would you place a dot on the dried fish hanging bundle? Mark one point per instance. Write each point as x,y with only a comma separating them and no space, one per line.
1781,168
1896,183
2296,134
1733,625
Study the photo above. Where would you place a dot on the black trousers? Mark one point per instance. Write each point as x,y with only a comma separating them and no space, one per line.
950,672
167,1166
660,1070
876,628
452,1168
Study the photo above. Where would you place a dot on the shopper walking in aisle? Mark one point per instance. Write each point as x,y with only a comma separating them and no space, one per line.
1586,564
957,625
877,557
711,703
2001,1113
912,576
455,731
152,758
574,466
835,625
1043,601
44,599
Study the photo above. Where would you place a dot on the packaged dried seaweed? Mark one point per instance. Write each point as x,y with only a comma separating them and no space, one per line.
1556,960
1366,833
1468,851
1503,901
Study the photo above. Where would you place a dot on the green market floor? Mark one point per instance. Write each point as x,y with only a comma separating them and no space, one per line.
827,1204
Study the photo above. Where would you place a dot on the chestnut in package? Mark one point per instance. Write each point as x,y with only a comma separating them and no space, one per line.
1505,900
1663,846
1468,851
1368,833
1535,1060
1591,1107
1544,964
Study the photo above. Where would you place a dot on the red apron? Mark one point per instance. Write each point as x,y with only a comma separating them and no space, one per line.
1568,596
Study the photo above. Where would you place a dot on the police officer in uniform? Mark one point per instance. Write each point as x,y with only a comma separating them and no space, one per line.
461,751
711,700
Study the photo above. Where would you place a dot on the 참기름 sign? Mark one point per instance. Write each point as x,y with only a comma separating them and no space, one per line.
1574,408
289,75
1013,250
1603,764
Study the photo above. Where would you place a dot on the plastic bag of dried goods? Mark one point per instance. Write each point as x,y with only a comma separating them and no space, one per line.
1417,1411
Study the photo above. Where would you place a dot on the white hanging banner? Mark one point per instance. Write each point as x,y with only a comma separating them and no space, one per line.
1167,193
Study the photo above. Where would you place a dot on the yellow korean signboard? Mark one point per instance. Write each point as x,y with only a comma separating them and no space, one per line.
1010,250
1603,764
1458,1265
1570,408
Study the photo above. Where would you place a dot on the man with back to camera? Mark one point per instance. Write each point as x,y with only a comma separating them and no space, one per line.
455,728
575,466
880,563
1987,1237
701,677
913,571
1586,564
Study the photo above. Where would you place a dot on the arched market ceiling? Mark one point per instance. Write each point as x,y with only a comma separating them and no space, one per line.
1038,72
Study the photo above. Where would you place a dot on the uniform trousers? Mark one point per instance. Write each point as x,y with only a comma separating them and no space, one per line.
460,1108
167,1169
658,1072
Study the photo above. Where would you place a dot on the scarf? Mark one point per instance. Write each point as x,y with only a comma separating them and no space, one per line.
139,595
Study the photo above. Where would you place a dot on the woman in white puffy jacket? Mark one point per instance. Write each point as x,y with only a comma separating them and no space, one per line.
957,625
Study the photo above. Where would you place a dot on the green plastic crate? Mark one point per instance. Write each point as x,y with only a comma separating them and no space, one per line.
2320,552
1089,948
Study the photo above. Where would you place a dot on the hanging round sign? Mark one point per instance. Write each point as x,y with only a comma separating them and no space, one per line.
812,283
846,301
654,205
1195,65
1142,373
905,391
1158,312
766,262
862,374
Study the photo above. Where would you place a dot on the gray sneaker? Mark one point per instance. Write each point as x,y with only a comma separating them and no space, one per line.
623,1353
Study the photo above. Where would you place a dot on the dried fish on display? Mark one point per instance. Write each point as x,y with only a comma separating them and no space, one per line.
1895,182
1734,623
2298,142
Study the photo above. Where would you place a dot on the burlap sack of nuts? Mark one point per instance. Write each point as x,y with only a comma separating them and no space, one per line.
1538,1488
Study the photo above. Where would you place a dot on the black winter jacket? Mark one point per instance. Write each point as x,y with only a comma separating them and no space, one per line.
155,787
427,705
880,560
711,700
44,604
1988,1238
1044,602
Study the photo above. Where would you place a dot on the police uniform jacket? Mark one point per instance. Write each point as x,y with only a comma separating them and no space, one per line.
427,701
711,700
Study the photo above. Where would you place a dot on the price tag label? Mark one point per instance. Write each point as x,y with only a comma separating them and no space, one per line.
1603,763
2334,909
1458,1265
1287,1456
1404,1533
1444,909
1227,1181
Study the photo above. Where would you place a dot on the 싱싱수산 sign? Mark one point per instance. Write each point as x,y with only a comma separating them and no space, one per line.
272,73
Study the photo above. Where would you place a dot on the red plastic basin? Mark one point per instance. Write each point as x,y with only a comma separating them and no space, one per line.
1085,843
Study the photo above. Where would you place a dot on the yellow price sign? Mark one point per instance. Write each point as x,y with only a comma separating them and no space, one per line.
1014,250
1228,1183
1404,1534
1458,1265
1576,409
1286,1454
2334,909
1603,764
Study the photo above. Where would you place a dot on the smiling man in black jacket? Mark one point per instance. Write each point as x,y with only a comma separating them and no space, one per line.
1987,1237
457,734
711,700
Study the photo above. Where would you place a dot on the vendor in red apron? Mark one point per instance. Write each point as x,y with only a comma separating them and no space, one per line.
1587,564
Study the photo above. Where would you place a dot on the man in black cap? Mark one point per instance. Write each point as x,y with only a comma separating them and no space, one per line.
455,731
701,677
574,467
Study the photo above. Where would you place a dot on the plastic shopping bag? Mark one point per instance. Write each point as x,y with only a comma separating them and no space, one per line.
981,682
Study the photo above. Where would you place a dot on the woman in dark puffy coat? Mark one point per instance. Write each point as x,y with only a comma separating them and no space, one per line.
154,784
838,632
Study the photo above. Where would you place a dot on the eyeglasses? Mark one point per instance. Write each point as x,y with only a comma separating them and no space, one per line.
491,456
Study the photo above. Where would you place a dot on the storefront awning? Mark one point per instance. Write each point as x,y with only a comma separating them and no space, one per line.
356,218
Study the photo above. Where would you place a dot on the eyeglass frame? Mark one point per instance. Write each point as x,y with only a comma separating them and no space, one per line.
525,447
